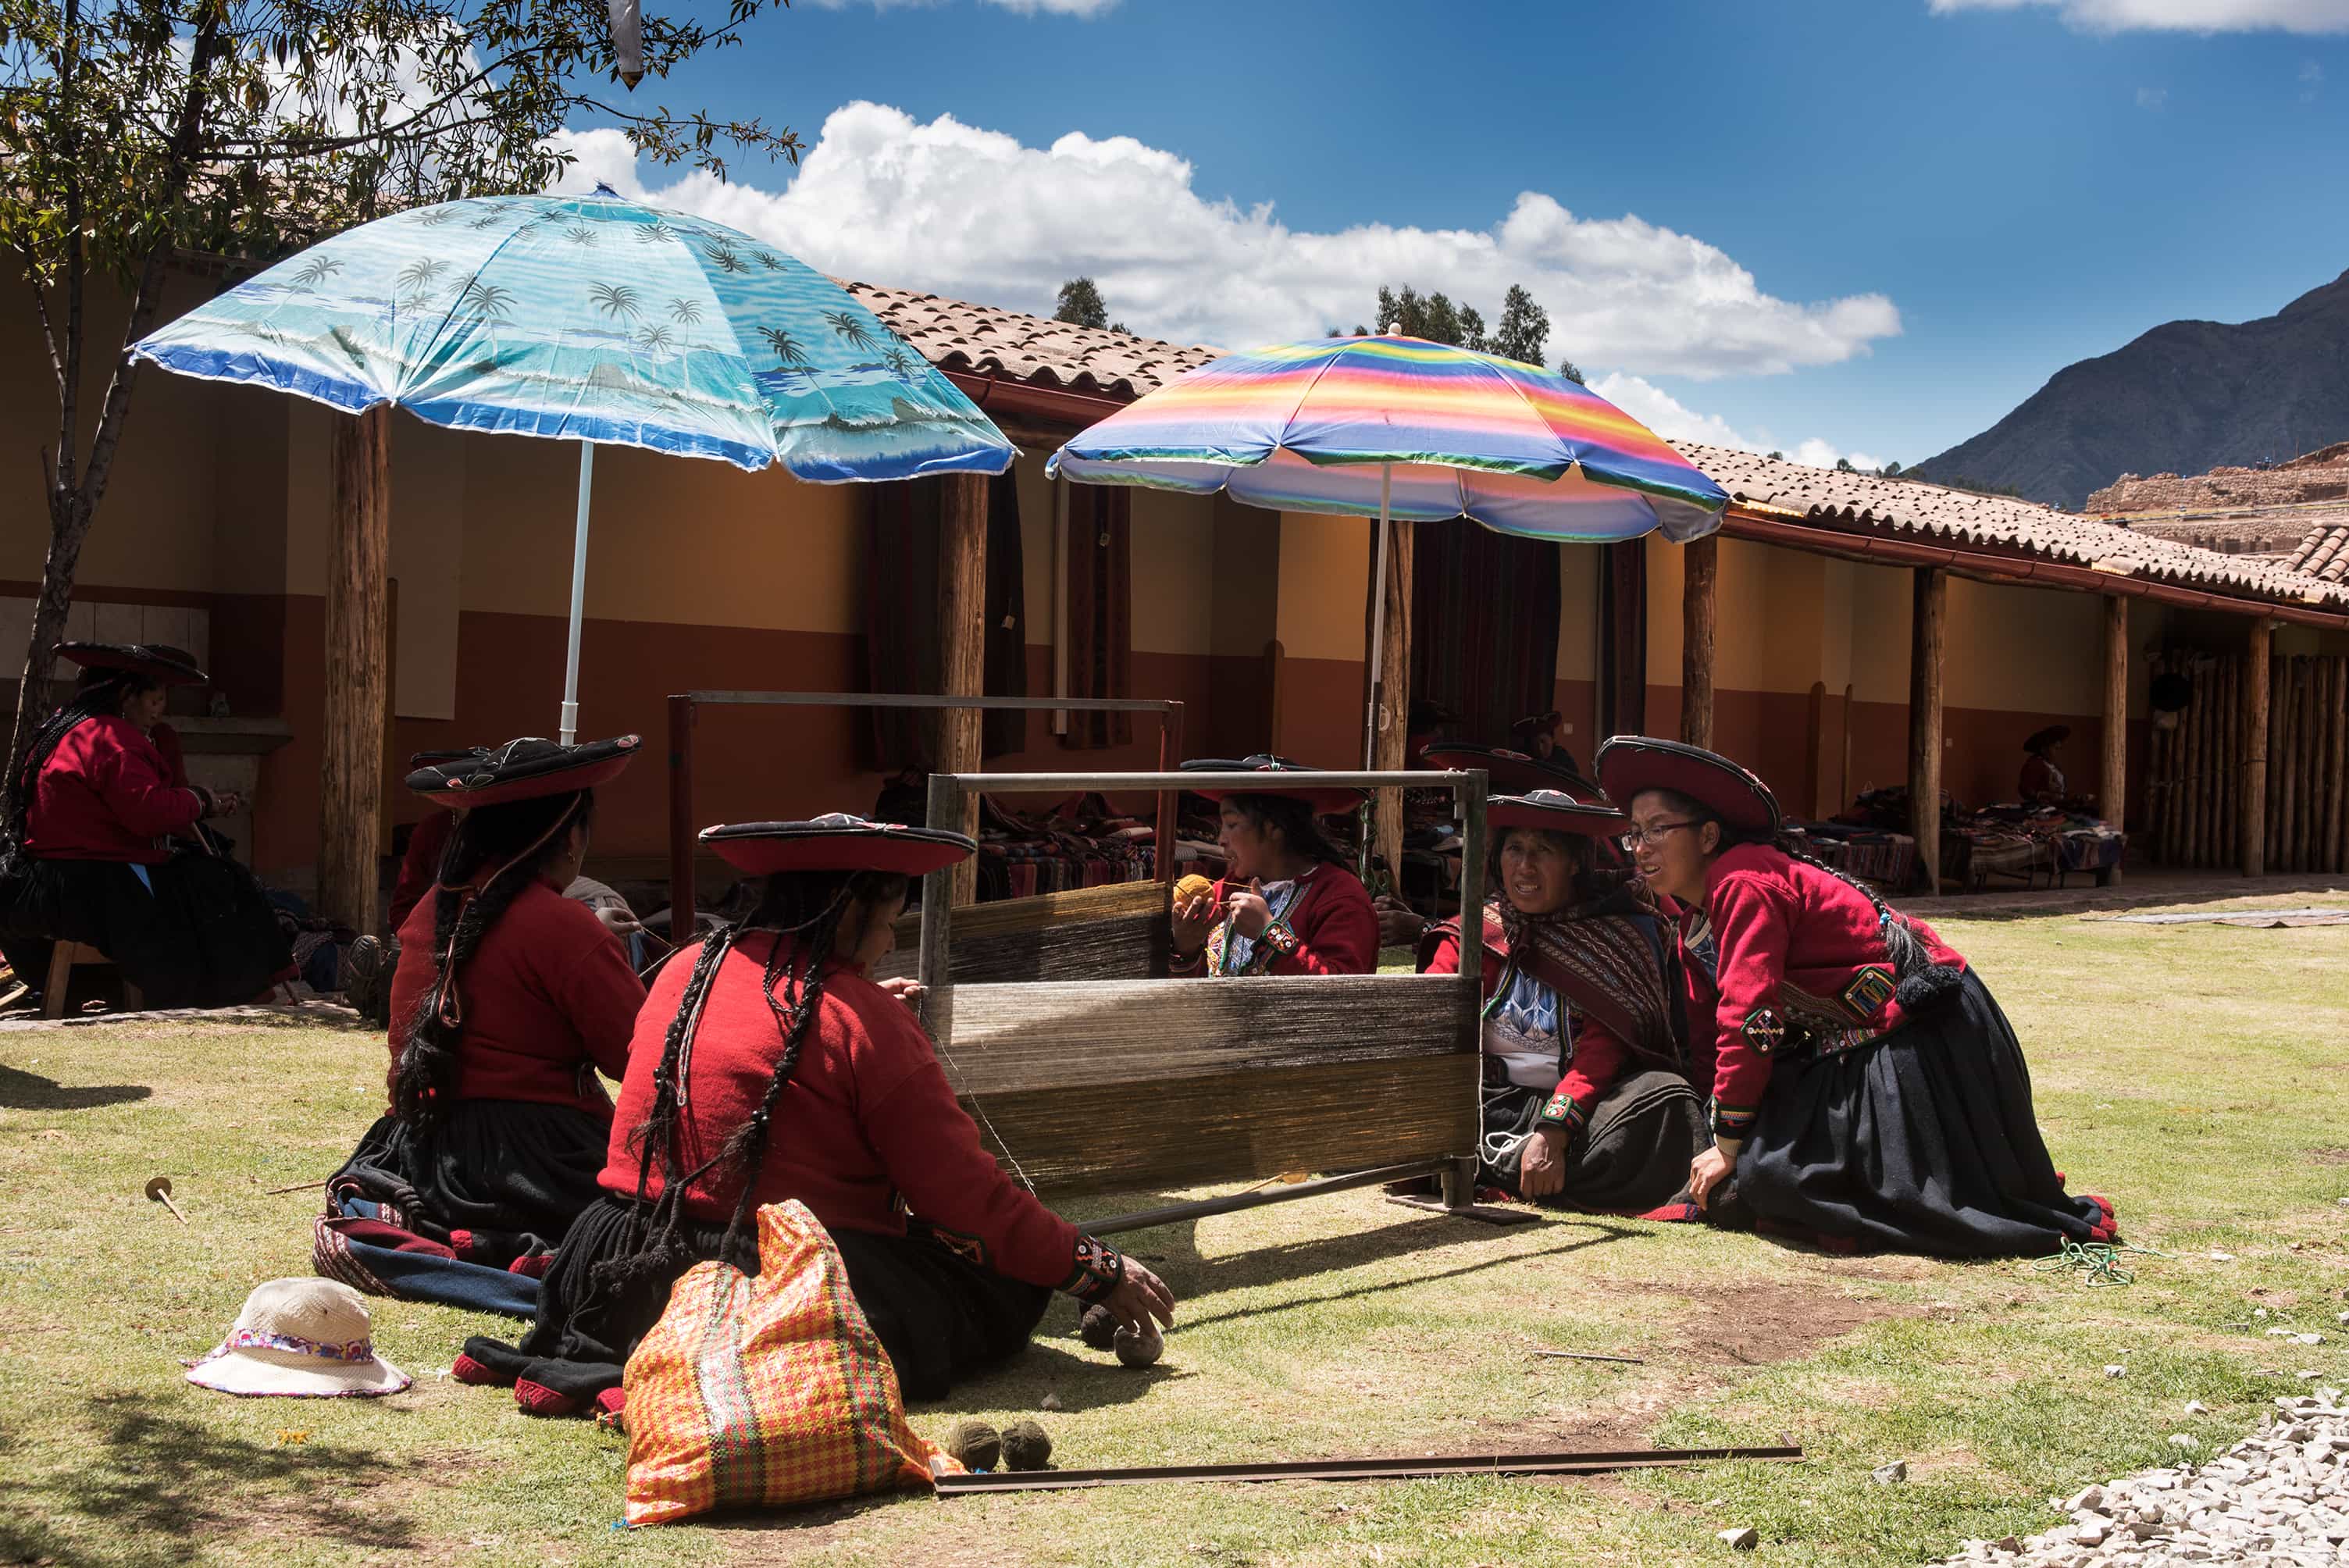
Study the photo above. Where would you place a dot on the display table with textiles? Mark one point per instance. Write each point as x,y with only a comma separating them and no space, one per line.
2023,843
1080,843
1876,855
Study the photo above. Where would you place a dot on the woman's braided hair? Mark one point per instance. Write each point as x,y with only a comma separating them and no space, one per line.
804,910
495,853
1918,981
99,694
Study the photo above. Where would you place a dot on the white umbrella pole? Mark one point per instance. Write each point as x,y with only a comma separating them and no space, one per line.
578,595
1378,617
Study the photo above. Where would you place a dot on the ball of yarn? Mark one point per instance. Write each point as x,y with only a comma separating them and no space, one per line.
1192,886
978,1446
1098,1328
1140,1349
1025,1446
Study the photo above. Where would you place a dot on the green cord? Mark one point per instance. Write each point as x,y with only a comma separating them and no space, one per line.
2098,1263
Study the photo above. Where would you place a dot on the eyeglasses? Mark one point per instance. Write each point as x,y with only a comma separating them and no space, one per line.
1638,836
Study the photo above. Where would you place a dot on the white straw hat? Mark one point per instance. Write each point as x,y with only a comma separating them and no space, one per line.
299,1338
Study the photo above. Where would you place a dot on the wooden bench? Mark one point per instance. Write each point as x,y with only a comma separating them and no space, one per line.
1096,1085
63,958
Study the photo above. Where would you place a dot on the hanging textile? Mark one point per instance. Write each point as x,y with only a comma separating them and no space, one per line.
1484,617
1101,612
901,619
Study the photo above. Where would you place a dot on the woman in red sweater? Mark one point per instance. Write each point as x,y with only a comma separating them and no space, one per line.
1867,1090
509,1001
1287,904
767,1068
1586,1101
94,849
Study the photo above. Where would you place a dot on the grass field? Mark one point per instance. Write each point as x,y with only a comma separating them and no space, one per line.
2198,1075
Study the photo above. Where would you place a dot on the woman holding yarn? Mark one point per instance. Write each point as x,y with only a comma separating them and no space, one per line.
1867,1090
1287,904
768,1065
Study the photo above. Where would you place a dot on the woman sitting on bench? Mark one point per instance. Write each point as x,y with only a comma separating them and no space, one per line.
1287,904
507,1000
1867,1090
1586,1101
768,1067
92,853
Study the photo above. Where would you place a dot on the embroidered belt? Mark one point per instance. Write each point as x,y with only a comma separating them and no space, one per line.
356,1352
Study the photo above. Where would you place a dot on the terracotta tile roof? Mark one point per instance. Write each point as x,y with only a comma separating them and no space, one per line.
956,335
2324,553
2000,524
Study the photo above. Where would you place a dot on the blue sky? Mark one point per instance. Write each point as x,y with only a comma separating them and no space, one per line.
1869,225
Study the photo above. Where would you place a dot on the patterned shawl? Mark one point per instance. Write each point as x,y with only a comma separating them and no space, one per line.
1608,958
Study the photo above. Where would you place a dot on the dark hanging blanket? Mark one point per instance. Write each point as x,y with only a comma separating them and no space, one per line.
1484,617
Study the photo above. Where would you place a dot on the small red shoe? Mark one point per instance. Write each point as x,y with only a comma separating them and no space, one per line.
538,1399
532,1266
611,1411
468,1370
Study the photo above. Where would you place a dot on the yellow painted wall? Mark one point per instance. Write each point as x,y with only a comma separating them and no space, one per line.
1578,612
1324,585
1245,595
2025,650
1174,541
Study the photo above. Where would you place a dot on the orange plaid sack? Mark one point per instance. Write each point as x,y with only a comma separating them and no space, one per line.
763,1392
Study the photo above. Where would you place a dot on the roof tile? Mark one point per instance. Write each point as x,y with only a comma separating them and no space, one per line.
956,335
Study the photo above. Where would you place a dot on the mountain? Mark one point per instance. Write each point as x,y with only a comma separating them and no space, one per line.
2186,398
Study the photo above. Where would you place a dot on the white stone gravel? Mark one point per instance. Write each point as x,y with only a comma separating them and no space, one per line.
2278,1498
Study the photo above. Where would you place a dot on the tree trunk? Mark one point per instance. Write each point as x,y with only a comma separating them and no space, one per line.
962,646
1701,557
68,527
2255,751
1932,599
1390,741
357,670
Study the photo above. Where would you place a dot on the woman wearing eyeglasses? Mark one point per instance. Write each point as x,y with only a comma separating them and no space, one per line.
1867,1090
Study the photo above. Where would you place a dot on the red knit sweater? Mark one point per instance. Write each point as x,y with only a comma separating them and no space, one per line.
1337,930
549,1001
105,794
1598,1058
868,1119
1793,945
421,864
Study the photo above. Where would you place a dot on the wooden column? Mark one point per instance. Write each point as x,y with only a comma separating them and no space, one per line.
1700,559
1390,741
962,645
358,669
1932,599
2255,748
2112,783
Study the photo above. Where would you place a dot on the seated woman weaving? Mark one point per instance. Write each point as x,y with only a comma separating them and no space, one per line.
103,848
1587,1104
1287,904
508,1001
770,1068
1867,1090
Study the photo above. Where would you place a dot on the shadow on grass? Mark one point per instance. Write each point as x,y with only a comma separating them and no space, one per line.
161,1488
21,1091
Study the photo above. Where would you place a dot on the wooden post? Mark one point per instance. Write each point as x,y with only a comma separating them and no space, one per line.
2336,807
2255,750
962,646
357,671
1391,738
2112,785
1931,606
1700,559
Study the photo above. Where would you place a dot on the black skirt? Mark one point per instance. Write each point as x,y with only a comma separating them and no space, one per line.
199,932
1632,1157
1923,1141
939,1315
514,1173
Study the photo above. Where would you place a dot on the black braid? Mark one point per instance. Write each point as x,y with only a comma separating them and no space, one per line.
512,845
804,910
99,695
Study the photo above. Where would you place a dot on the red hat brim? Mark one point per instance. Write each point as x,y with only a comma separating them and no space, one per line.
1326,800
836,843
133,658
484,777
1628,764
1555,811
1509,772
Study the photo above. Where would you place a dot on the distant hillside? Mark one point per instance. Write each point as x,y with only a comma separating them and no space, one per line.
2186,398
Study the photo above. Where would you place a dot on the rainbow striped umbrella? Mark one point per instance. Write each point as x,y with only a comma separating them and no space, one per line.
1398,427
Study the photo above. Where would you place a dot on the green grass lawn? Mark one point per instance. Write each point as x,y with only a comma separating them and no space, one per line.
2198,1075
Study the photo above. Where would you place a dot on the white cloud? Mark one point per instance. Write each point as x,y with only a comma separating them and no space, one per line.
1675,421
2180,15
972,213
2152,97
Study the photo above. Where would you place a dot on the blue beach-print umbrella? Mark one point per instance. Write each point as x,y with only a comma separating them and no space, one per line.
594,319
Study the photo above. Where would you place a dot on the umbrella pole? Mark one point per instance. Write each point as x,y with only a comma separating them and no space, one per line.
578,595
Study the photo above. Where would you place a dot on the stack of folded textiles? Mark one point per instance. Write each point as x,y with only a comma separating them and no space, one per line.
1080,843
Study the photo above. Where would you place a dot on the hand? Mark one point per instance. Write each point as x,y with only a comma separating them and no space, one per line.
1140,1296
1541,1166
1708,1171
618,920
1400,925
225,803
1248,912
906,990
1192,920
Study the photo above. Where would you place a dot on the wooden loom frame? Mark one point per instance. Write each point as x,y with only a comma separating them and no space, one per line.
1047,1050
